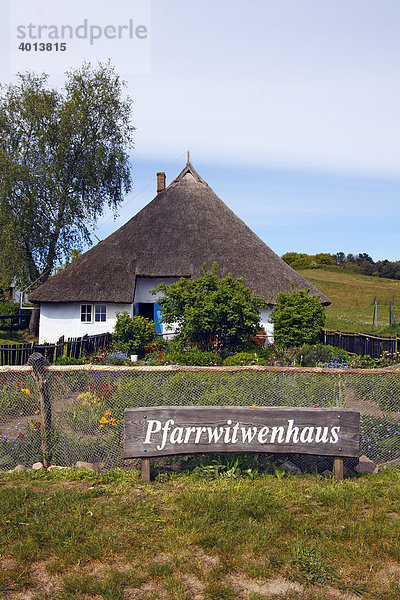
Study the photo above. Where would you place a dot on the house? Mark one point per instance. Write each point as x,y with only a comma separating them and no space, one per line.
184,226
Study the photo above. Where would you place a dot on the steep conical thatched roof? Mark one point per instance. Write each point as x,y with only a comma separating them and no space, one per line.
184,226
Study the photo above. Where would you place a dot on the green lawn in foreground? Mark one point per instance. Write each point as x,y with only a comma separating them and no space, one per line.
89,536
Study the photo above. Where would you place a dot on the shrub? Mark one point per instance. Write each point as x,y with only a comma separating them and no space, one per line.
319,354
194,357
244,358
69,360
213,313
9,308
298,319
189,356
133,334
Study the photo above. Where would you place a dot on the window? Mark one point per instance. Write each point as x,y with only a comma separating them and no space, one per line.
100,313
86,313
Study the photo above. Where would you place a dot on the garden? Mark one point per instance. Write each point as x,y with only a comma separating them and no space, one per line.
221,361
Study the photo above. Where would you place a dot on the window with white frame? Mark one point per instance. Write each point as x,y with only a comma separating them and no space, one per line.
100,313
86,313
93,312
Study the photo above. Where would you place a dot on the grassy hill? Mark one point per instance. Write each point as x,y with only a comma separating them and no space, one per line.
353,297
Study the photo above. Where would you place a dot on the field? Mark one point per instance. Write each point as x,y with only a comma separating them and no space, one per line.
79,535
15,337
353,297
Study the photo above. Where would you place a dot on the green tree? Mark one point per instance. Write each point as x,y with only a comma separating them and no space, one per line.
132,334
298,319
63,158
296,259
212,313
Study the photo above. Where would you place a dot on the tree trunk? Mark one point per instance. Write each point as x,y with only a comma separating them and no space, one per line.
34,322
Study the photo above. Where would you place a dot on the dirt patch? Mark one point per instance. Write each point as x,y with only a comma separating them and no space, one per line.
388,574
7,563
45,582
366,407
194,585
271,587
204,560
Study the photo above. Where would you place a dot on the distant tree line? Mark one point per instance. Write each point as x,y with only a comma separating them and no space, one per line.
361,263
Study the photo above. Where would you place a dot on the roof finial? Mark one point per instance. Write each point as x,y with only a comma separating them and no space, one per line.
188,156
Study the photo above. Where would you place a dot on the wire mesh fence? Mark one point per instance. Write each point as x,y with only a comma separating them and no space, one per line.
87,405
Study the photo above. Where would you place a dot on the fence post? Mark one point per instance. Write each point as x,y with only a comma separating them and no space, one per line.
145,470
338,467
38,363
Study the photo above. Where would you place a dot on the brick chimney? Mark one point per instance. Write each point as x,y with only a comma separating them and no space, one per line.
160,182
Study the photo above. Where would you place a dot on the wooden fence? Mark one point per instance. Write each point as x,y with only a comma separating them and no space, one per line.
18,354
362,343
10,322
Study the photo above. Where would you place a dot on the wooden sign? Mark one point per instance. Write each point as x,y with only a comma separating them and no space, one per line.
169,430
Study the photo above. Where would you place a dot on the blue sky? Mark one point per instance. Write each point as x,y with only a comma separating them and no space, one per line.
290,111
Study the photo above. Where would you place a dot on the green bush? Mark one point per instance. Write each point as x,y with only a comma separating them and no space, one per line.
213,313
244,358
133,334
9,308
69,360
298,319
194,357
186,356
315,354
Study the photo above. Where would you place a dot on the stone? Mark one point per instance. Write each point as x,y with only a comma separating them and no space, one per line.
87,465
366,465
37,466
55,467
18,469
326,473
290,468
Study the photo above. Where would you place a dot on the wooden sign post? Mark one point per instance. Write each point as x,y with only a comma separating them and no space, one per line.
172,430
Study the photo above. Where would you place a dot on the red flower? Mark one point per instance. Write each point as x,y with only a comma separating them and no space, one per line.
20,435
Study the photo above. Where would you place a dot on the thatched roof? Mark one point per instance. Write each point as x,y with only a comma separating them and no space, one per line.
184,226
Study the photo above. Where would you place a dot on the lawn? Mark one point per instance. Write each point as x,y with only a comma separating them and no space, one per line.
353,298
16,337
79,535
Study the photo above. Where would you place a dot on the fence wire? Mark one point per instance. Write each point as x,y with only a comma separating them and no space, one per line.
88,402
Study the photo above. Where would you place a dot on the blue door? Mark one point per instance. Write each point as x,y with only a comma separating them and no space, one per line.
158,318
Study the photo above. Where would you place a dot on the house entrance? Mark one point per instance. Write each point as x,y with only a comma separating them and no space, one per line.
146,309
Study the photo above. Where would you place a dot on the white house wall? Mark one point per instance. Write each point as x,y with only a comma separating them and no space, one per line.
64,319
143,288
144,285
265,314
